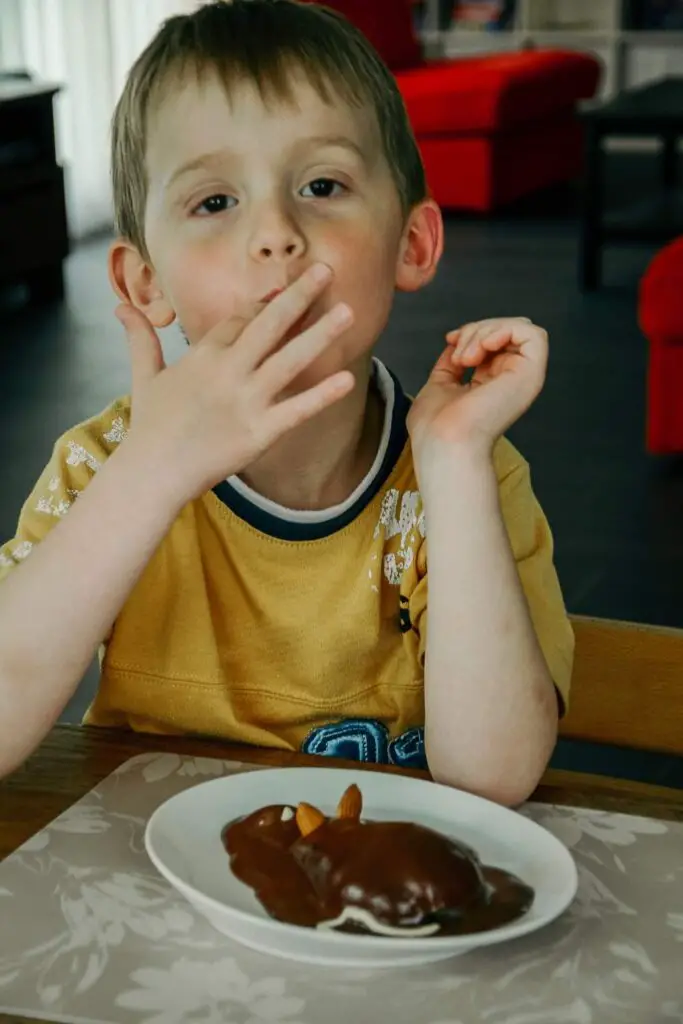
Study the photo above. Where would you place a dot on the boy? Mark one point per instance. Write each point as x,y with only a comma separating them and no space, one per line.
245,536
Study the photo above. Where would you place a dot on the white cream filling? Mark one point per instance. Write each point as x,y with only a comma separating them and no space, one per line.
287,814
362,916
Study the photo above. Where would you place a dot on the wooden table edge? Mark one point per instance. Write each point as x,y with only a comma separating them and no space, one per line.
74,759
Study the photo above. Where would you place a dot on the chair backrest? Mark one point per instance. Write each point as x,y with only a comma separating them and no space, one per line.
627,688
388,24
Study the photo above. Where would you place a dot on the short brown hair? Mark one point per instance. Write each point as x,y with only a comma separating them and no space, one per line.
260,41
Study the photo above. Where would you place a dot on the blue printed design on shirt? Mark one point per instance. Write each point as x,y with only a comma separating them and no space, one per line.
408,750
356,739
367,740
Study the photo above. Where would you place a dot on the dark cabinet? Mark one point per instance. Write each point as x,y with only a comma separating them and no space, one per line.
34,237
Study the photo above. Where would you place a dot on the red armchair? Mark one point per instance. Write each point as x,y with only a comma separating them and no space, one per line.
491,129
660,313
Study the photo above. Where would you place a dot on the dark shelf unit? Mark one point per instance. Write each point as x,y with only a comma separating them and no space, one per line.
34,238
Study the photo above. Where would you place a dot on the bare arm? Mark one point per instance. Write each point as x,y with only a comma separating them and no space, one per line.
58,605
490,704
194,423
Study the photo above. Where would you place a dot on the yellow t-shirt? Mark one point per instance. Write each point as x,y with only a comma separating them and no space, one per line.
293,630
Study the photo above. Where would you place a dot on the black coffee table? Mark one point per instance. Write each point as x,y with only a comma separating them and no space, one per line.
651,110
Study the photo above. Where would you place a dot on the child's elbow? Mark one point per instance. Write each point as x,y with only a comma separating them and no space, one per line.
506,792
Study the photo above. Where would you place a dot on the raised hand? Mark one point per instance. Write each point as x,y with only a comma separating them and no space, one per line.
219,407
508,357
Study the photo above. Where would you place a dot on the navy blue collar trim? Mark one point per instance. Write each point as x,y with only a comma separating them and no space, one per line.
283,529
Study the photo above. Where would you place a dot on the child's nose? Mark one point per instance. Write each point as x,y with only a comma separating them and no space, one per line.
276,237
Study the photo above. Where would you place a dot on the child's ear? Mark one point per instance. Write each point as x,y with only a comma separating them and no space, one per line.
421,247
135,281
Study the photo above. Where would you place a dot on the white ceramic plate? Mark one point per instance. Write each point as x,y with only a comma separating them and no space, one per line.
183,839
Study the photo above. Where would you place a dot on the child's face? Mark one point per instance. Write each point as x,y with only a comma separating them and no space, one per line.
243,198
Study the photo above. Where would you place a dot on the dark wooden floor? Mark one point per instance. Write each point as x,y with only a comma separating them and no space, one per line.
615,511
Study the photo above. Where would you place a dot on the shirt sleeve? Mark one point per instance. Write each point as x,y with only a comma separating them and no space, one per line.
532,547
76,457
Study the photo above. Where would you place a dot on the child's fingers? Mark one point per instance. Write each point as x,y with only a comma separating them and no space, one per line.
265,333
475,350
277,372
495,336
460,339
291,412
490,323
146,355
448,367
488,342
475,342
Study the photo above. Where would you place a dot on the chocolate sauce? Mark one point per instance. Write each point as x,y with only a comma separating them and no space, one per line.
387,878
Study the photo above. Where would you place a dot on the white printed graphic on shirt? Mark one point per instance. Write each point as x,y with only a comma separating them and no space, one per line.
118,432
408,523
52,505
78,455
52,508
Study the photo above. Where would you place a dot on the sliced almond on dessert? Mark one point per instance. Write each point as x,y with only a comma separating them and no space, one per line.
308,819
351,803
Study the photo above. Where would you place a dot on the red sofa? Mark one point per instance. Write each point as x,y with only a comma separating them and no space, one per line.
491,129
660,314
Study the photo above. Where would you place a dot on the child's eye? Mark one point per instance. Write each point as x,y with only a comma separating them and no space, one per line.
322,188
215,204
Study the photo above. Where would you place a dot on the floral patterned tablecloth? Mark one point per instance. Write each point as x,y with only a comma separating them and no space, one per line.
90,932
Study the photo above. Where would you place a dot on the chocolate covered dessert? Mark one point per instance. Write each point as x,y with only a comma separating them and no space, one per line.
387,878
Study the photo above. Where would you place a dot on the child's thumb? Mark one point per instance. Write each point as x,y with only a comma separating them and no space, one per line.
146,355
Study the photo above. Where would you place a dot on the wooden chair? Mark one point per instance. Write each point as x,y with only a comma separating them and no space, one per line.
627,688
